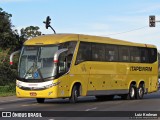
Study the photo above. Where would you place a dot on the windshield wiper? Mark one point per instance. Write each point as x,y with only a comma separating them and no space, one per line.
32,70
40,74
29,71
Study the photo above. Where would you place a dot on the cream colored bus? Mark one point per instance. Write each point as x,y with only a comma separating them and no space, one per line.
73,65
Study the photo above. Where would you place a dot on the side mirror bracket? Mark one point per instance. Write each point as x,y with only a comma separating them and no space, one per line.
11,56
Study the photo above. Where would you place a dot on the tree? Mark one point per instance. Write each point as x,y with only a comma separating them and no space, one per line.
8,37
11,41
30,32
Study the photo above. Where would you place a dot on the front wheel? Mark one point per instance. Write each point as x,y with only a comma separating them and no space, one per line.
40,100
74,95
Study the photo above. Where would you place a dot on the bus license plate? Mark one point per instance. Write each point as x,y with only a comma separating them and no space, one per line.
33,94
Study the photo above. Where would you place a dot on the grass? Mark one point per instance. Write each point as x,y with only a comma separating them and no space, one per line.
7,94
8,90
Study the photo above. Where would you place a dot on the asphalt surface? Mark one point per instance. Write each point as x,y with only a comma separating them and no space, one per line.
85,109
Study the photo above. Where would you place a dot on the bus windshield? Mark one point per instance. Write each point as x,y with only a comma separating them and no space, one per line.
36,62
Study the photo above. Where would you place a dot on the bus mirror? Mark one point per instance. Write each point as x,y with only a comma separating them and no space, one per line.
56,55
56,58
11,56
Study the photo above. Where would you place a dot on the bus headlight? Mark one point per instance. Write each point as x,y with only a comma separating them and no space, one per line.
51,85
19,84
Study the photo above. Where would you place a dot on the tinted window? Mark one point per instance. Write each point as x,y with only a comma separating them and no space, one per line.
144,55
69,45
124,54
152,55
115,53
84,52
98,52
111,53
135,54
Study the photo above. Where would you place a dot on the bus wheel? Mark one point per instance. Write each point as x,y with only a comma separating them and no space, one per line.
40,100
74,94
140,91
132,92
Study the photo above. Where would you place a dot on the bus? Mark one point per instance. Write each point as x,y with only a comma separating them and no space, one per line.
74,65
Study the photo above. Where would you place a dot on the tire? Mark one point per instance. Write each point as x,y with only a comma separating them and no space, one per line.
140,91
40,100
132,92
75,94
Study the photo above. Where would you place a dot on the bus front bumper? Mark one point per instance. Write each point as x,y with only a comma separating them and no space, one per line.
47,93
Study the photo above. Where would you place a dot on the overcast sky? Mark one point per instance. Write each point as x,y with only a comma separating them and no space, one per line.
121,19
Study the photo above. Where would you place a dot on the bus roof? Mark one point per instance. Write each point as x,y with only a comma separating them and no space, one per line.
60,38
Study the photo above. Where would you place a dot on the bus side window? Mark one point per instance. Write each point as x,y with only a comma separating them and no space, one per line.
98,52
124,54
111,53
84,52
69,60
152,54
144,55
62,64
135,54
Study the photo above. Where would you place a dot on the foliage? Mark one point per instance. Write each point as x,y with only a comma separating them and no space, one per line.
8,73
7,90
11,41
8,37
30,32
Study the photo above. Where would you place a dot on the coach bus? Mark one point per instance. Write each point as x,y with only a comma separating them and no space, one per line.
74,65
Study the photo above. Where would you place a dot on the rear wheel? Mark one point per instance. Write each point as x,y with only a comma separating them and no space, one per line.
75,94
132,92
40,100
140,91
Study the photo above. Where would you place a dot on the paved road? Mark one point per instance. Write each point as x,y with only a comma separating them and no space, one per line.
151,102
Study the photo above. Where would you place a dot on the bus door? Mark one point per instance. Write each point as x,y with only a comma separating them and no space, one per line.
81,70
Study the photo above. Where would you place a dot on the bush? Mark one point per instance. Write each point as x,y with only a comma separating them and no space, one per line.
8,73
8,88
